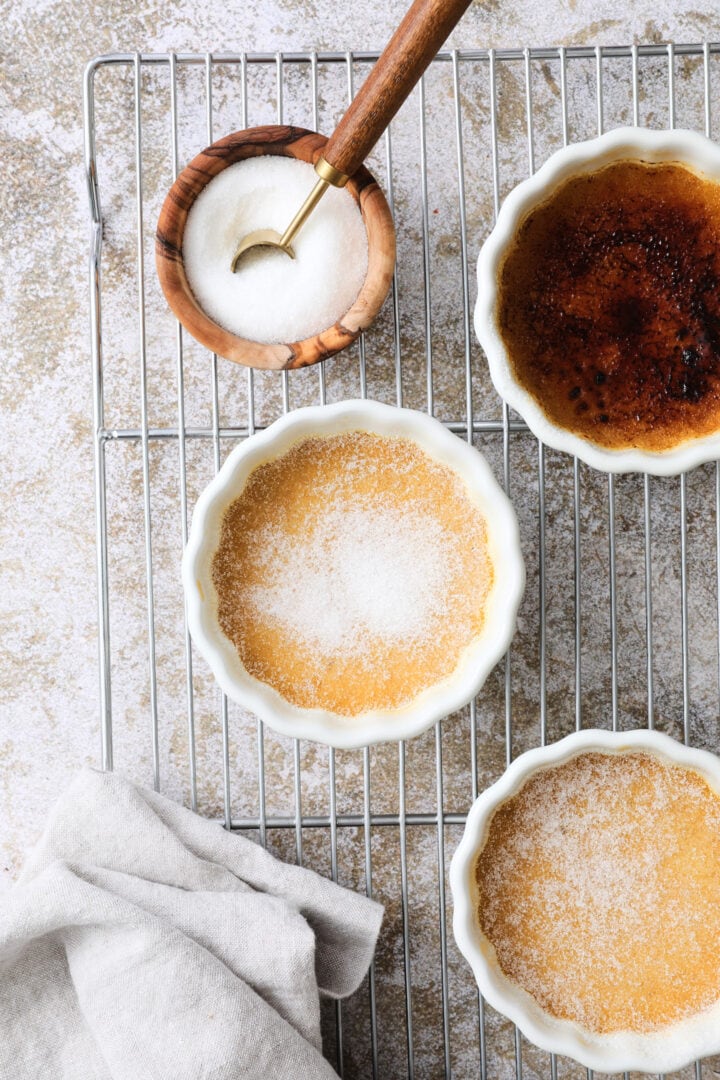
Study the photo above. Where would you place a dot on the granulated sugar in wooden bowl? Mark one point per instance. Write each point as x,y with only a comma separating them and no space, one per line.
353,573
275,312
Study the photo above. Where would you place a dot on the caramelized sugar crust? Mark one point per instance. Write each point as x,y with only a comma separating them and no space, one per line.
610,306
352,573
599,888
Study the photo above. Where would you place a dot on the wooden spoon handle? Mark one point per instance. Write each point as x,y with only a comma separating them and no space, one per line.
403,60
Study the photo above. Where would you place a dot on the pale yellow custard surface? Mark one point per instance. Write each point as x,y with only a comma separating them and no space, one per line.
598,886
352,573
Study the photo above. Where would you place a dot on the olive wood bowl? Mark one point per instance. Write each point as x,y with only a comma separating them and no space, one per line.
255,142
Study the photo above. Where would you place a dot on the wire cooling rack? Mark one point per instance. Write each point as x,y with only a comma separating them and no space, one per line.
619,626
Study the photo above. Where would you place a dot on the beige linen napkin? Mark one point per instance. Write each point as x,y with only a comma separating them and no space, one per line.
143,942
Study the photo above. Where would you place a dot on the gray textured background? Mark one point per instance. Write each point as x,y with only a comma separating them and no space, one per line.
48,678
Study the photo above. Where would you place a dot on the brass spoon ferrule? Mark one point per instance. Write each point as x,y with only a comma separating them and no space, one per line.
328,172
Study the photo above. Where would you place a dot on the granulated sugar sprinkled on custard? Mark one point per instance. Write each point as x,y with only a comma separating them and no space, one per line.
372,573
352,573
599,887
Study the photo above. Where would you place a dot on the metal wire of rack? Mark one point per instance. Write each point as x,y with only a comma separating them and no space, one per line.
618,571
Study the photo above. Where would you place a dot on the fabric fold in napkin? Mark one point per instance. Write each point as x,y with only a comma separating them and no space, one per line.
143,942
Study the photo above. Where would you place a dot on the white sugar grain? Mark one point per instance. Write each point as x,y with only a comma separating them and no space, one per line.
274,298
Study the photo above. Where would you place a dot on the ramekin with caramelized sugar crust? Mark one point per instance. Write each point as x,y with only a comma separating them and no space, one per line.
599,301
587,899
353,573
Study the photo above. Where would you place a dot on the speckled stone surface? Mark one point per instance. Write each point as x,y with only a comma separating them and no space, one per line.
49,692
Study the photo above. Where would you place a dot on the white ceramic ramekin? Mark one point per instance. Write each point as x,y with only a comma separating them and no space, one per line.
623,144
665,1050
435,702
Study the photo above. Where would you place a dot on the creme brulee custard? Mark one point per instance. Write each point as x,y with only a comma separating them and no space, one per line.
609,305
598,886
352,573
